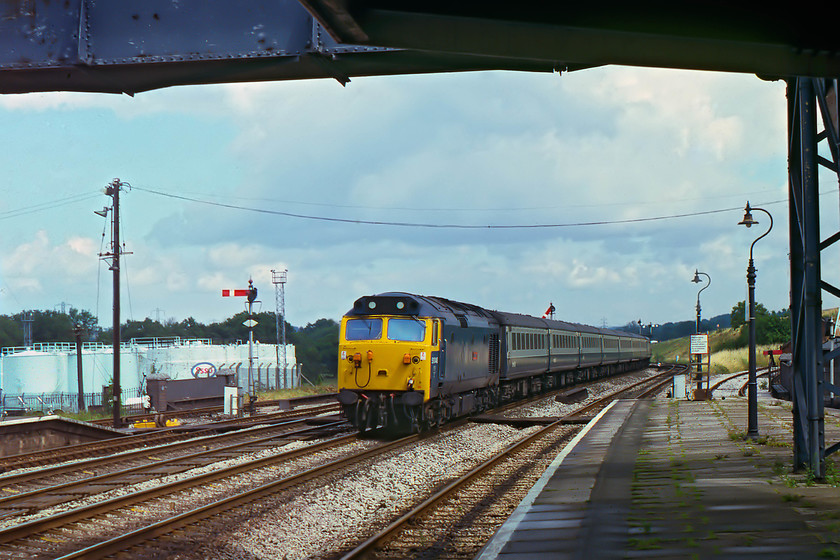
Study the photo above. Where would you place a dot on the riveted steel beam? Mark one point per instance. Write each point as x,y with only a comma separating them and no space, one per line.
808,98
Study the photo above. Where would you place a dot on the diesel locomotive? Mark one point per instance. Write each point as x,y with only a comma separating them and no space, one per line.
410,362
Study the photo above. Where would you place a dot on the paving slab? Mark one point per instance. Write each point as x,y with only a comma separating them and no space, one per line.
676,479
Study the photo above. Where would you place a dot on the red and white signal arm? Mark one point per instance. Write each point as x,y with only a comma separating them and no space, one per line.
235,293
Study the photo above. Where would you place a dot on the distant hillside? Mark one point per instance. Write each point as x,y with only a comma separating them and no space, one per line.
669,331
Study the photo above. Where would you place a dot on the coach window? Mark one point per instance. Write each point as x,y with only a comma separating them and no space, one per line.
363,329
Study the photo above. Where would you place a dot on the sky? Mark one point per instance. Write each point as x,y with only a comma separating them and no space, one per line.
600,191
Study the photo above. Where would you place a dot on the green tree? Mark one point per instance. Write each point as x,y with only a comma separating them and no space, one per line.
770,327
316,347
737,317
316,344
11,332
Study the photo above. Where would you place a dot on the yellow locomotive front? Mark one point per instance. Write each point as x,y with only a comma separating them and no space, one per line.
386,363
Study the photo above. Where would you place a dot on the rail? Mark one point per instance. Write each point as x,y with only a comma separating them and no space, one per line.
366,549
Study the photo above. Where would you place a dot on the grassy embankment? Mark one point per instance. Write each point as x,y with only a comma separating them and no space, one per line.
723,361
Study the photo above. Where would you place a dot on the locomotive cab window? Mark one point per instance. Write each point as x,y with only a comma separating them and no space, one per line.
408,330
363,329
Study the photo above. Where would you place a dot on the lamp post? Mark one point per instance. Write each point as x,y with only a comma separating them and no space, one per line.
697,359
752,392
697,280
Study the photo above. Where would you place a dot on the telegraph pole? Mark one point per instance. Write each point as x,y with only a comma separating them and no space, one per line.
113,190
115,270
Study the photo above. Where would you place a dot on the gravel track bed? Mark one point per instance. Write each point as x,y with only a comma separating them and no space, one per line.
458,528
318,518
150,456
149,512
346,508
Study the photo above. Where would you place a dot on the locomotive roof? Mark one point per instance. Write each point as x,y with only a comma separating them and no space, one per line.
433,306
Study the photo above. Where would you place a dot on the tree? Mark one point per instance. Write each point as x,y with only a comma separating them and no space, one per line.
11,332
738,316
316,343
316,347
770,327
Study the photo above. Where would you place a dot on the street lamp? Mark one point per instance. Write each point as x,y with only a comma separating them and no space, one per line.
697,280
752,392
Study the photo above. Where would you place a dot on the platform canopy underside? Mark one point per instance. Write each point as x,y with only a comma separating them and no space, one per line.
132,46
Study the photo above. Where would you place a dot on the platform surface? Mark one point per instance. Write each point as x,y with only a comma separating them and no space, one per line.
677,479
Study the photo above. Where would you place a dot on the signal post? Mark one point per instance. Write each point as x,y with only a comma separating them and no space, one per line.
251,294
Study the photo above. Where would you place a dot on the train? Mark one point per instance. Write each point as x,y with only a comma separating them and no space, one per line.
409,362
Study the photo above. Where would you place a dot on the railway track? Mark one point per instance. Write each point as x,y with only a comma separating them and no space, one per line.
43,535
456,521
28,492
161,417
206,490
152,438
109,526
760,372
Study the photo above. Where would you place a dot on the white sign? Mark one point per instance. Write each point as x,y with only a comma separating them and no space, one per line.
699,344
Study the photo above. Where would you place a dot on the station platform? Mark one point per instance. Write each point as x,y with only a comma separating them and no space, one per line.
673,479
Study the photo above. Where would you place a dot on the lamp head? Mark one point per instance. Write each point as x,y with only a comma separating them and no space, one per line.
748,220
696,276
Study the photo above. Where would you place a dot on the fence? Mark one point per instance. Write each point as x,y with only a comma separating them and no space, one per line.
265,376
49,403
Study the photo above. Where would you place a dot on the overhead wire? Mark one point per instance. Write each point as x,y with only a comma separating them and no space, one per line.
124,265
444,226
507,209
48,205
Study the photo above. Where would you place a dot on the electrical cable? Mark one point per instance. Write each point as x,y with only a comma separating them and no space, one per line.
99,269
450,226
470,209
124,265
8,214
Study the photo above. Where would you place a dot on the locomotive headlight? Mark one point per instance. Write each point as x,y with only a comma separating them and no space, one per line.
370,355
357,359
415,360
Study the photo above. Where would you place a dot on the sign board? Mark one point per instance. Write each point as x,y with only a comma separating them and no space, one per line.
203,369
699,344
250,323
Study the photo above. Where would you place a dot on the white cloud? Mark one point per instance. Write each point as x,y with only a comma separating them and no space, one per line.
488,148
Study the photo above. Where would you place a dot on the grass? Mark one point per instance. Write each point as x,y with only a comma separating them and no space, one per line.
301,391
722,362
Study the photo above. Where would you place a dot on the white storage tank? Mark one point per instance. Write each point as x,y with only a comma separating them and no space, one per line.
49,370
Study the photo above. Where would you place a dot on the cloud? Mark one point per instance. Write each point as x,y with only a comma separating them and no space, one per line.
493,148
